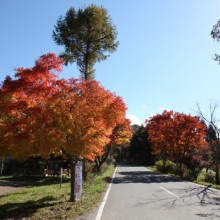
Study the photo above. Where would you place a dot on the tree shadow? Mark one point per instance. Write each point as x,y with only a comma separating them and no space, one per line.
147,177
207,199
206,196
30,181
14,193
107,179
21,210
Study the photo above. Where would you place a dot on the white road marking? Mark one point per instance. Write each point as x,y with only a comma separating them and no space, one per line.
101,208
169,192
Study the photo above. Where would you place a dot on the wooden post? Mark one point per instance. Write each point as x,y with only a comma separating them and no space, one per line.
61,177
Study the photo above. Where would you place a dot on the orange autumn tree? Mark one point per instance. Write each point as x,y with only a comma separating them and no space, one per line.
121,135
43,114
175,136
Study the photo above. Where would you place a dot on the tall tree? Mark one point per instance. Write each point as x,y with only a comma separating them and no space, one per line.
213,135
41,114
212,141
88,36
140,147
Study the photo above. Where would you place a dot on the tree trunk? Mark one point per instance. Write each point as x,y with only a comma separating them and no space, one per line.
86,61
216,173
164,164
84,170
96,168
99,161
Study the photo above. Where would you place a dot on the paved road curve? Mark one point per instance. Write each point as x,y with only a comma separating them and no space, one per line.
140,194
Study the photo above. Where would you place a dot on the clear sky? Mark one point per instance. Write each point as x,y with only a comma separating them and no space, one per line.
164,60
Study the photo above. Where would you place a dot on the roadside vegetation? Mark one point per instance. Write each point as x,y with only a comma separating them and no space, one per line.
45,198
204,177
179,145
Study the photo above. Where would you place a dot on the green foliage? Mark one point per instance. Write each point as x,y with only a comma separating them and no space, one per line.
140,147
34,166
188,174
110,160
170,166
159,166
88,36
209,177
183,172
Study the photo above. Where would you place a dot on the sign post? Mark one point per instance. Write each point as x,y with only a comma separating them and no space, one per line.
78,181
61,176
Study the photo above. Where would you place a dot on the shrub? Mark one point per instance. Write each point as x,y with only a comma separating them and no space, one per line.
170,166
110,160
209,177
189,174
194,165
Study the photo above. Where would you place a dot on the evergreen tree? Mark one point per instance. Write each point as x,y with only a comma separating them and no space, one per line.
140,147
88,36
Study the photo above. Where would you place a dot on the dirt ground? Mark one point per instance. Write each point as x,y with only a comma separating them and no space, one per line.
7,187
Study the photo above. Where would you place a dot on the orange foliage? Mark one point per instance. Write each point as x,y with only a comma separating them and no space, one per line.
175,135
41,114
121,134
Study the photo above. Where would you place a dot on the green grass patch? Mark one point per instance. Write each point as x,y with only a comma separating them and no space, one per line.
44,199
153,168
216,186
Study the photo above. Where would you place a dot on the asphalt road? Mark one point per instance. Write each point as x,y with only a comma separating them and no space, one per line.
139,194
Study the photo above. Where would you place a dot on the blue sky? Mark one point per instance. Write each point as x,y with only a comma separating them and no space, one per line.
164,60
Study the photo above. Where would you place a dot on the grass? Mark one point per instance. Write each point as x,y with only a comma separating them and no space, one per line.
153,168
200,180
44,199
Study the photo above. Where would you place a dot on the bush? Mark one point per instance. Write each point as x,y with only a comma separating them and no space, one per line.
189,174
170,166
110,161
209,177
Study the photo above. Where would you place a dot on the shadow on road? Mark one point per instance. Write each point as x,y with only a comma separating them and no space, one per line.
143,177
174,196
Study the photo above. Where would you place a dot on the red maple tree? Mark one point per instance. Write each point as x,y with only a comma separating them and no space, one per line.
176,136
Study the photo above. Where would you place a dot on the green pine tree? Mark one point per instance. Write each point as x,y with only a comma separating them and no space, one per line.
88,36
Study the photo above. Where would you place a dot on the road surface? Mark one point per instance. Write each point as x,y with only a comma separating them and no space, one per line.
137,193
